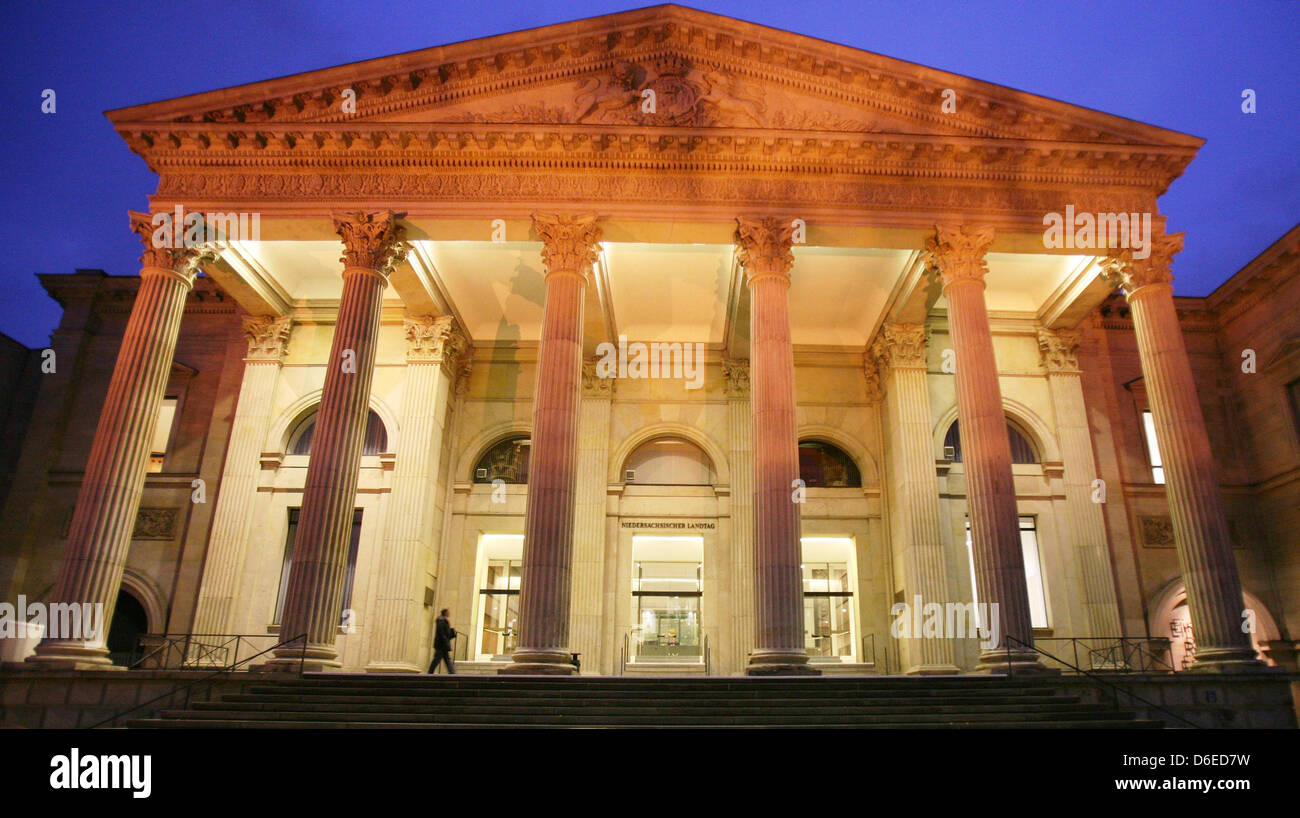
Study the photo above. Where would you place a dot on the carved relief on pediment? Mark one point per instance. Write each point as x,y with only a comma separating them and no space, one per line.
669,92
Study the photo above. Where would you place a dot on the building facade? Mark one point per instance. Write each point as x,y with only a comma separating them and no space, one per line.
679,343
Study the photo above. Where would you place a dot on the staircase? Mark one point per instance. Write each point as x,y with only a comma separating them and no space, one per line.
333,700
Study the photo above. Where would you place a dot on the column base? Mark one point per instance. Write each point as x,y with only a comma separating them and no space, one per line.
1229,660
539,663
315,659
66,656
780,663
1013,663
932,670
392,667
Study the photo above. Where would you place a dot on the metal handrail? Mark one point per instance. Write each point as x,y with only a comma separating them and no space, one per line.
1097,679
622,659
1116,653
193,649
706,654
872,638
302,656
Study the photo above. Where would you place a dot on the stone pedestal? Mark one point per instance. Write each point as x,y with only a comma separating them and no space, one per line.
898,355
373,245
569,250
1087,529
224,565
1200,528
957,253
433,347
764,249
100,533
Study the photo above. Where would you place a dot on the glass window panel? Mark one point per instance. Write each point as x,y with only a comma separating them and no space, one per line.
506,461
1033,572
350,574
1153,447
670,462
162,434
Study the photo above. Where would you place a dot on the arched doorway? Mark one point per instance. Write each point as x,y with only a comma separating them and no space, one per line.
1172,618
667,553
130,622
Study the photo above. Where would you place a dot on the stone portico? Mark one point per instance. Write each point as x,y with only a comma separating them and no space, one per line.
860,268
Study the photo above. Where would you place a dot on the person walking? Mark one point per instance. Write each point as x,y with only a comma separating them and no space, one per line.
443,634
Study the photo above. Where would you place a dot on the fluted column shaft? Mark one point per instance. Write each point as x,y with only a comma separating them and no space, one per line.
1087,526
109,499
433,346
914,486
1201,535
741,427
546,584
314,597
589,517
766,257
232,521
958,254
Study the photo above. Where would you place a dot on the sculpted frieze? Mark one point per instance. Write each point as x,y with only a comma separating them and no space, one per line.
621,188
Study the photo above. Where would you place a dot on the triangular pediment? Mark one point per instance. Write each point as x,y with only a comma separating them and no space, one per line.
659,67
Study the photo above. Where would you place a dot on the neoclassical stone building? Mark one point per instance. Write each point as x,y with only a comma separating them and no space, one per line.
848,371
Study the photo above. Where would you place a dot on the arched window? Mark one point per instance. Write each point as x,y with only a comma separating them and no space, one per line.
1022,451
506,461
668,461
822,465
376,435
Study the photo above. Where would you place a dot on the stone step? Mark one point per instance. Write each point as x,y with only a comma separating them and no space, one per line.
663,701
657,694
651,718
786,708
415,701
1064,724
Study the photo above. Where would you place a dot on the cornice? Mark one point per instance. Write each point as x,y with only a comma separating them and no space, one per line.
180,149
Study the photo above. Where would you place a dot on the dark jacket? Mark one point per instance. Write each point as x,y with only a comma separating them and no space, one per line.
444,634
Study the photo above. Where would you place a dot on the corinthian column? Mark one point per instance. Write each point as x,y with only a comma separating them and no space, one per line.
740,423
899,357
763,247
568,251
433,347
1087,527
373,245
1195,507
224,566
957,253
100,534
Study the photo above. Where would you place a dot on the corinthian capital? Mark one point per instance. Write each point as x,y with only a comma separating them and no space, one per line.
569,243
899,346
373,241
167,248
763,246
267,336
1057,349
957,252
434,339
1156,268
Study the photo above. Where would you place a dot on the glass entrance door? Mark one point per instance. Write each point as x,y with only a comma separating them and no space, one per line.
667,587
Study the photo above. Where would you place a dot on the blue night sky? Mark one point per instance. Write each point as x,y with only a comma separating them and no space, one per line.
69,180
